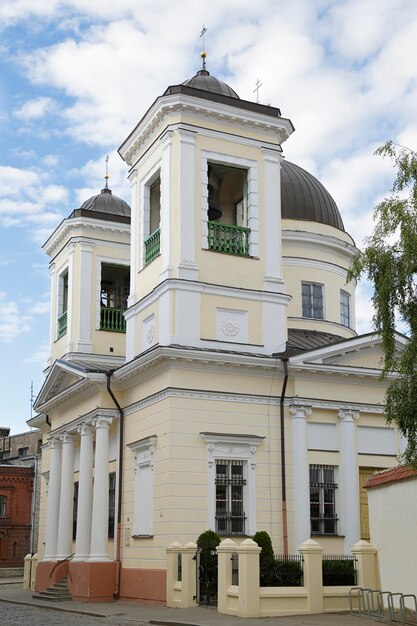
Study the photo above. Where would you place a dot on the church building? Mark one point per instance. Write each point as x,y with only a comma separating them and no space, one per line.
204,369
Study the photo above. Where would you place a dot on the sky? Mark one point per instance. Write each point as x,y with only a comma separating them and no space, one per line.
77,75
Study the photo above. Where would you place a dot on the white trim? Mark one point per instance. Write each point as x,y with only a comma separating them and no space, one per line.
84,342
143,451
272,220
187,267
322,266
100,260
233,447
177,103
165,239
253,202
306,239
62,232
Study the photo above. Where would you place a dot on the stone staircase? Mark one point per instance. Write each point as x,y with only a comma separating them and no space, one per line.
58,593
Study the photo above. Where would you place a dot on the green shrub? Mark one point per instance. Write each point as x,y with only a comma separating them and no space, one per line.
267,573
208,540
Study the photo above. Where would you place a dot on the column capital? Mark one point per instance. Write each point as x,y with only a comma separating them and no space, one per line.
54,443
132,177
348,414
300,410
66,438
102,422
85,429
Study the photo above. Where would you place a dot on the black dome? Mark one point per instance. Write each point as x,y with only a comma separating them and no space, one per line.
106,202
203,81
303,197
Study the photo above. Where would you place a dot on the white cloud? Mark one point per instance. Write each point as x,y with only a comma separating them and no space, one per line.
40,357
35,109
12,321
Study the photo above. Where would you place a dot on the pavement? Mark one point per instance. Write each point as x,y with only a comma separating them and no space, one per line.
137,612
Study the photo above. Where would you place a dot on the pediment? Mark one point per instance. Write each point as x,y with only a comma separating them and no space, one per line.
63,377
362,352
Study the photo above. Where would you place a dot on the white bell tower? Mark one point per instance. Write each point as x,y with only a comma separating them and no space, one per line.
206,268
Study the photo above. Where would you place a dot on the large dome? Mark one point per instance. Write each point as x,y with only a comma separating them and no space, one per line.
303,197
203,81
106,202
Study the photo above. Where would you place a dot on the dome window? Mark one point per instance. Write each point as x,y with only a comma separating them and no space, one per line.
312,300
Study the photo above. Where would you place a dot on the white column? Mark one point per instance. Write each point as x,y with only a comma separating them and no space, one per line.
85,494
70,310
166,270
272,221
66,500
300,472
186,205
100,516
349,478
84,342
52,501
54,310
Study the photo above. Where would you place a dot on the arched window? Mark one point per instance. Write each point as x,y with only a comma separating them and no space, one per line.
3,506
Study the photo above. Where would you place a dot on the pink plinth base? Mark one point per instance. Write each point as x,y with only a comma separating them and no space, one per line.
92,581
147,585
48,573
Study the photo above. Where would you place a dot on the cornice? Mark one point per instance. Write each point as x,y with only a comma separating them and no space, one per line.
305,239
67,226
87,418
181,103
289,261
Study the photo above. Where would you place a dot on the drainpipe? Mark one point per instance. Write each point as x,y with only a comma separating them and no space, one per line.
283,468
119,498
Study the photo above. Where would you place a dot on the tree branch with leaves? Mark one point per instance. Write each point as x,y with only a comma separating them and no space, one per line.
389,262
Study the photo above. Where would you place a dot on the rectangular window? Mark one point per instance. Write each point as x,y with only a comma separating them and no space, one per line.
323,500
74,511
227,209
152,220
3,506
312,300
114,292
22,452
112,503
230,509
344,308
62,304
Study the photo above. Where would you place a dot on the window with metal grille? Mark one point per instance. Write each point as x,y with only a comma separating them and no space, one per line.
344,308
323,500
230,484
312,300
112,502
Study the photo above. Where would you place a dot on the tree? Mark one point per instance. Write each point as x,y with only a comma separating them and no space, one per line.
389,261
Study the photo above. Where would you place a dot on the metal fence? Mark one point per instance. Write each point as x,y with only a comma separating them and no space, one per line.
282,571
338,569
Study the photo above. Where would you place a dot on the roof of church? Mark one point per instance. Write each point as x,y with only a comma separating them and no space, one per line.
104,206
303,197
205,82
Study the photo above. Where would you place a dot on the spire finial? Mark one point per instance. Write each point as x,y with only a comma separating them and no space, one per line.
203,52
106,177
257,86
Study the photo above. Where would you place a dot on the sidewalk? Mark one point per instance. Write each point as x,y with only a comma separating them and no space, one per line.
199,616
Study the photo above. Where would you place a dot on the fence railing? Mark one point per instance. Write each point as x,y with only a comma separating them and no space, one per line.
282,571
152,246
228,239
112,319
339,569
62,324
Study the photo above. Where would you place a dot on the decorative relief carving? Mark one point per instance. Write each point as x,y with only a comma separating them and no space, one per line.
230,327
148,332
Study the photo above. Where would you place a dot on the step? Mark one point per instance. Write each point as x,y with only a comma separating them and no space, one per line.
42,595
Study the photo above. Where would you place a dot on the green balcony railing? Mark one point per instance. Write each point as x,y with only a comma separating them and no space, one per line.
62,325
112,319
152,246
228,239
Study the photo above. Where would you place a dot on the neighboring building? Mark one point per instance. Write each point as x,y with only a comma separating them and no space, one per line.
392,497
204,365
16,486
25,450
